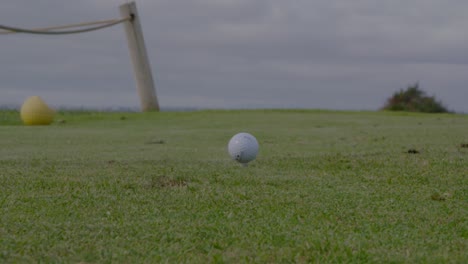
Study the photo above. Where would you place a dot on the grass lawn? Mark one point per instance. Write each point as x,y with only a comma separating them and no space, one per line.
327,187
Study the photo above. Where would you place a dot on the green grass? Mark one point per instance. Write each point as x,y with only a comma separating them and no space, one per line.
327,187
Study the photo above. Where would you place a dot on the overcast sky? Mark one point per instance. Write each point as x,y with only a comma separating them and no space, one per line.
331,54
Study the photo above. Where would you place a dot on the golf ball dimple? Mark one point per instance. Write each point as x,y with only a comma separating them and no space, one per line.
243,147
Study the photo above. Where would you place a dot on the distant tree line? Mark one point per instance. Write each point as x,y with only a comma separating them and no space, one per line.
413,99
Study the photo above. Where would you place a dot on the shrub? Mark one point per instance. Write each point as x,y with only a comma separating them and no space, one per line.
414,99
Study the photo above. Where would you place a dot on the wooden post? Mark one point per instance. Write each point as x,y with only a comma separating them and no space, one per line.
141,66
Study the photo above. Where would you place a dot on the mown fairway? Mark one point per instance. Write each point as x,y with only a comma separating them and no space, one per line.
160,187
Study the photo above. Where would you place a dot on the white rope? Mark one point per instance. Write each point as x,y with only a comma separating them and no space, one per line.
53,30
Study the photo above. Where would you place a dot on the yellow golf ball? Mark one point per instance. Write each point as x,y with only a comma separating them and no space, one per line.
35,111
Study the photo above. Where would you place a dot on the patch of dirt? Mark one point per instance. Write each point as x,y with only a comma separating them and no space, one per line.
159,141
440,197
166,182
412,151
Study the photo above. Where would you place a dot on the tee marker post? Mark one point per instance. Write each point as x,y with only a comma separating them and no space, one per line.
139,58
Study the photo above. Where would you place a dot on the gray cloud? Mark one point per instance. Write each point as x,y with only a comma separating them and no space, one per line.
241,53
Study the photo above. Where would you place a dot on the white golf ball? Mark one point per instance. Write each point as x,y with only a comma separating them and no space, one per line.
243,147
